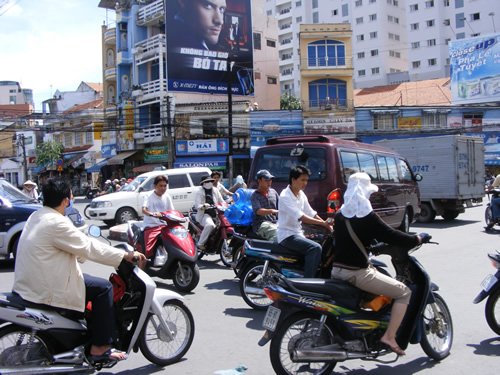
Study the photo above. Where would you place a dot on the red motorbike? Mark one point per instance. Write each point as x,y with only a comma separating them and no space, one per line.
174,252
218,241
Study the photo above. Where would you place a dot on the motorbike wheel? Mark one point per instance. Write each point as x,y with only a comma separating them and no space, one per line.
226,253
155,344
438,329
300,331
194,235
237,249
19,348
493,311
488,215
85,212
187,276
252,286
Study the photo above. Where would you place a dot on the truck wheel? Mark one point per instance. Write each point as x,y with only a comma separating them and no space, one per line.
427,214
450,215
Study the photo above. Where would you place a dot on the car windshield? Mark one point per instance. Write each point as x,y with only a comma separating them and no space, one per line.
134,184
13,194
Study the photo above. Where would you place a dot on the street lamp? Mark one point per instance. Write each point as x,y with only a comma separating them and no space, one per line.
465,19
491,14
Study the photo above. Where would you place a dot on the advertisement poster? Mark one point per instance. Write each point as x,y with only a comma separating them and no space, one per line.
409,122
475,69
268,124
203,38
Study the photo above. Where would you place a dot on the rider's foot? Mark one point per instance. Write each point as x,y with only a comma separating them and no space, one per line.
489,226
202,247
106,352
393,346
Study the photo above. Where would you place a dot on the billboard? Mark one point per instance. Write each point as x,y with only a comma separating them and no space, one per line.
204,38
475,69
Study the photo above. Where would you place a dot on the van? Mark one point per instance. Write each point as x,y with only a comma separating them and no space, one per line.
331,162
126,204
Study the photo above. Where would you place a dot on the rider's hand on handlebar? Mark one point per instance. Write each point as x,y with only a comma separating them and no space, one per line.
134,257
425,237
204,206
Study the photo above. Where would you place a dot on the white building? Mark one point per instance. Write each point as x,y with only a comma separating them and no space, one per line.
392,40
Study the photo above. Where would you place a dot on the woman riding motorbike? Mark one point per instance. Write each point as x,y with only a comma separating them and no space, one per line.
356,226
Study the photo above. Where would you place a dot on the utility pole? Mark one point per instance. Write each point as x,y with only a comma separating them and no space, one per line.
170,148
230,120
25,165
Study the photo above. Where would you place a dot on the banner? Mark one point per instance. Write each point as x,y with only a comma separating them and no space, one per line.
203,40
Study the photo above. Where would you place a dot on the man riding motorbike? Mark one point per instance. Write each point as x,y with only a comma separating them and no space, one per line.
47,270
495,204
265,207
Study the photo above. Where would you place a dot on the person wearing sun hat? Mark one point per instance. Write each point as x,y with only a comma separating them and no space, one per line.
30,189
205,197
351,264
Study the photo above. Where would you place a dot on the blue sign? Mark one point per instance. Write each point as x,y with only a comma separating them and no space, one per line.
215,146
108,150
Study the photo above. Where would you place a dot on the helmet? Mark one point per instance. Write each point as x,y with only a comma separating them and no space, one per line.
123,179
116,181
108,182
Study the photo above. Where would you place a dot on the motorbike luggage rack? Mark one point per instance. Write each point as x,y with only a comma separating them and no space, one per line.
288,284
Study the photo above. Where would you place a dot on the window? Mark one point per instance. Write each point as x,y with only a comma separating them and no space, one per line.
361,73
272,80
414,26
429,4
430,23
374,52
395,54
326,53
372,1
269,13
393,36
446,3
361,55
447,41
405,171
12,99
376,70
257,40
209,127
415,64
431,42
474,17
383,122
298,3
177,181
360,37
415,45
345,10
335,12
257,75
334,89
393,19
475,34
314,4
271,43
387,168
358,3
78,139
359,20
413,7
373,35
298,19
89,138
67,140
315,17
353,162
373,17
434,120
431,62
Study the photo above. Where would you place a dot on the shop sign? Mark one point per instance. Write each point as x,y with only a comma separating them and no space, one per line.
156,154
203,146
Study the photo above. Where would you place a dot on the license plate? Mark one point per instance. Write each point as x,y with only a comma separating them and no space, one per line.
488,282
271,319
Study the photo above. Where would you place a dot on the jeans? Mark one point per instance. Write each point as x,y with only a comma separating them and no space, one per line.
100,292
310,249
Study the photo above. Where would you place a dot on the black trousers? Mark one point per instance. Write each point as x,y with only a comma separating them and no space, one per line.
100,292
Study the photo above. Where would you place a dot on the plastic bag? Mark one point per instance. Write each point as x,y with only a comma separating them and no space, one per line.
161,256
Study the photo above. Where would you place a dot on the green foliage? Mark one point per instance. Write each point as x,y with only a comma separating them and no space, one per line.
288,102
48,152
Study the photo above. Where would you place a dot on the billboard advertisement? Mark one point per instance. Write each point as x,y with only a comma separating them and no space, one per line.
205,38
475,69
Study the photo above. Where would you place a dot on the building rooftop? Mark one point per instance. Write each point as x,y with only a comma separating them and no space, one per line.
95,104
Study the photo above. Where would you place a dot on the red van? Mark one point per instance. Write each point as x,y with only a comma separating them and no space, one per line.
331,162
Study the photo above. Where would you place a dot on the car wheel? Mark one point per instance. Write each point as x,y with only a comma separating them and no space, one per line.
13,250
124,215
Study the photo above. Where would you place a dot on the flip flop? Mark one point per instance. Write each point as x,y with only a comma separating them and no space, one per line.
106,356
395,349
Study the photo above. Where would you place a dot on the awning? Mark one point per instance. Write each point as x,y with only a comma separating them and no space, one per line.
70,158
96,168
384,111
39,169
146,168
119,159
212,162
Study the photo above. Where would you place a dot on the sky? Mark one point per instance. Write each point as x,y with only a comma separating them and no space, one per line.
49,45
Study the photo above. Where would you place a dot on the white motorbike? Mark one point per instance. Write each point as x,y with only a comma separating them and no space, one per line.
35,339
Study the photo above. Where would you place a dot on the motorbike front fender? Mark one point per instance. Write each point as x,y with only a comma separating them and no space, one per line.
481,296
160,297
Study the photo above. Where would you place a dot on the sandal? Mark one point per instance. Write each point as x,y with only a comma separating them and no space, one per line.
395,349
106,356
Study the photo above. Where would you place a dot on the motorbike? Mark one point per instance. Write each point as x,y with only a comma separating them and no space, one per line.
218,241
175,252
261,260
241,233
491,290
91,193
488,213
36,339
314,323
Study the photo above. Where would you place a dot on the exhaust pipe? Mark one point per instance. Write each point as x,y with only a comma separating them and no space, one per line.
326,353
45,370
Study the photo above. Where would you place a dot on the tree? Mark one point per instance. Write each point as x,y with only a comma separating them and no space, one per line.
289,102
48,152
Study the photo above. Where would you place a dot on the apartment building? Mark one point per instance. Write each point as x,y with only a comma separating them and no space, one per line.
12,93
392,40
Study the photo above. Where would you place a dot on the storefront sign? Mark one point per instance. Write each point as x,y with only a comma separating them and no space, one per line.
409,122
203,146
327,125
156,154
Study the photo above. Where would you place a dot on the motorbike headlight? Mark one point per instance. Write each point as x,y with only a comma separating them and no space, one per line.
179,232
102,204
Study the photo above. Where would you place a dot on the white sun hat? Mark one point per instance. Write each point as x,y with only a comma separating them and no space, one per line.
357,196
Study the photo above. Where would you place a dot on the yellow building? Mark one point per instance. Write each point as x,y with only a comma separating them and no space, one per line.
326,82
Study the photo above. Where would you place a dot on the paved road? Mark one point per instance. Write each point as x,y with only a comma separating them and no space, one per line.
227,330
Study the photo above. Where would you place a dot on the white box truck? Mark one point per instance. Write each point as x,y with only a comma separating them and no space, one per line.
452,170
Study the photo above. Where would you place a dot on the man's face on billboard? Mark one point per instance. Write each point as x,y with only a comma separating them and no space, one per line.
207,17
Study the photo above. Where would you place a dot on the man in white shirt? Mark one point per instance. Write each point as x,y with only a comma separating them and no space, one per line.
293,210
495,204
155,203
220,186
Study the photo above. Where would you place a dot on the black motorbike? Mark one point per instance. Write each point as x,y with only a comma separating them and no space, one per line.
488,213
491,290
313,323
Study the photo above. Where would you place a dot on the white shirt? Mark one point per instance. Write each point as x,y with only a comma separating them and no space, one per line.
155,203
290,210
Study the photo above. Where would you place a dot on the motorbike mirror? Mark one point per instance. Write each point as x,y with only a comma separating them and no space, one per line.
94,231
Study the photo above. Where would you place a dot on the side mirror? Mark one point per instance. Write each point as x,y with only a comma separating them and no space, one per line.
94,231
418,177
141,189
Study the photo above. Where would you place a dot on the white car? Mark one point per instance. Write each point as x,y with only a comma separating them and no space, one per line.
126,204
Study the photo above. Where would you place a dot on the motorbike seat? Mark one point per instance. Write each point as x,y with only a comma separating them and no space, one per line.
330,287
274,247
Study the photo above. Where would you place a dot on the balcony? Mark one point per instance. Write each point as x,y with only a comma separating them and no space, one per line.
328,104
152,133
110,36
150,92
318,66
284,13
149,49
151,14
110,73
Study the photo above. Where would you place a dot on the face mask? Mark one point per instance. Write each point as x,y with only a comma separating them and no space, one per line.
208,185
70,205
